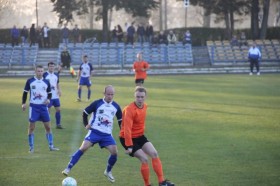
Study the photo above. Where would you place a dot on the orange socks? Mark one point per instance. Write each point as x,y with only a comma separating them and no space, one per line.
157,166
145,171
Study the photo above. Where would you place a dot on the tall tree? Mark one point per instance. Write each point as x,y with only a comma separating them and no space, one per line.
264,23
255,19
65,9
225,10
135,8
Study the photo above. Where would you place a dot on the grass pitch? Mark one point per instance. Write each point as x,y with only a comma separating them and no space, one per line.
208,129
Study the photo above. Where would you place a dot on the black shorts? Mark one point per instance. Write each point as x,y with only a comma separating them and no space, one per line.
137,143
65,65
139,81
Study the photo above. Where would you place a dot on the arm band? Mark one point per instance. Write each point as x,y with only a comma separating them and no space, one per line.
49,95
85,119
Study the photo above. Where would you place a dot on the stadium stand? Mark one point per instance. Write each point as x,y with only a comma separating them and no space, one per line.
18,55
221,52
119,54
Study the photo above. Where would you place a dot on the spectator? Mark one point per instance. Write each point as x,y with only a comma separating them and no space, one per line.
130,34
234,41
149,33
32,34
162,39
24,35
254,56
126,27
171,37
187,38
15,36
65,59
243,40
154,41
76,35
39,35
114,35
141,34
119,33
46,35
65,35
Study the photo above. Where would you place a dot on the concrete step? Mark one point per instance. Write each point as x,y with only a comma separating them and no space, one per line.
46,55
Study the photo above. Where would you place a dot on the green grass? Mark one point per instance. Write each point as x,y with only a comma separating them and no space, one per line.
211,130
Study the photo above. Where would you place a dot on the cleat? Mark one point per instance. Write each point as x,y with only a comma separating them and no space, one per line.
78,100
31,150
258,73
59,127
88,100
54,149
166,183
109,176
250,73
66,171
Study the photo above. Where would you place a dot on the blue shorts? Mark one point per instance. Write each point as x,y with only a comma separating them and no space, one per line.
103,139
54,102
38,113
85,81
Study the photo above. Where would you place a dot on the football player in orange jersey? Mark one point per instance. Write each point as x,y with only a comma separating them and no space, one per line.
135,142
140,68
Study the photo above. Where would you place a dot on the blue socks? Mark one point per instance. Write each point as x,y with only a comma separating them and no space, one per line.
79,93
31,140
111,162
75,158
57,118
88,94
49,137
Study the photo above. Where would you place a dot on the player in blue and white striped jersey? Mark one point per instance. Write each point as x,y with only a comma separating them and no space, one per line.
40,95
53,78
84,77
100,128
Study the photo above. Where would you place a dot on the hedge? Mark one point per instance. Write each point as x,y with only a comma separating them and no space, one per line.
199,35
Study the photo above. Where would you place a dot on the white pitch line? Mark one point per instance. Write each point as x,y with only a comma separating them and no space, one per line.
76,134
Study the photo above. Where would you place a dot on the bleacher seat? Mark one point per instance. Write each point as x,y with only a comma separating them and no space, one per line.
232,54
103,53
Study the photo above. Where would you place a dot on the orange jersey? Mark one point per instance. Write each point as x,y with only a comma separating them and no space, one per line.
133,122
138,67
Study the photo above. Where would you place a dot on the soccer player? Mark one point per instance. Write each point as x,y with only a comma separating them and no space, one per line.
84,75
53,78
135,142
254,56
100,128
140,68
40,95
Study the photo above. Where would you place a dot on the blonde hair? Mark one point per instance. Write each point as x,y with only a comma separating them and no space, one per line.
140,89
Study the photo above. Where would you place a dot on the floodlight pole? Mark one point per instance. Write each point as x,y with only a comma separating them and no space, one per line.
186,14
37,13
